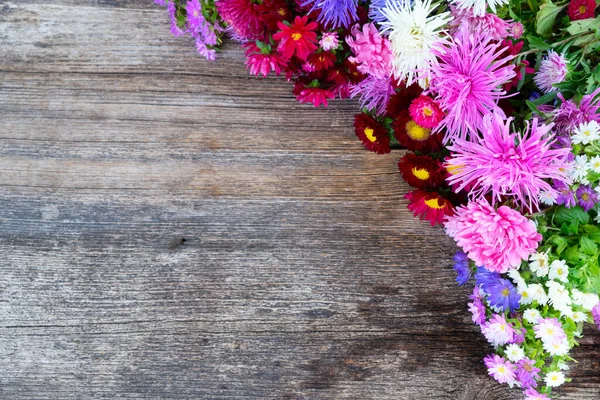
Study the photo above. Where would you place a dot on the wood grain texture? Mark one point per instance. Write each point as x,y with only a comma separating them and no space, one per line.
175,229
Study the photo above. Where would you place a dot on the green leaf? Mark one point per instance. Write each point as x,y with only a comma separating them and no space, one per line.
544,20
564,215
583,25
560,242
537,43
588,246
545,98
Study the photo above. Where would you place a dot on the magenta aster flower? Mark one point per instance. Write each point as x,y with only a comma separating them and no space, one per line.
261,61
527,373
532,394
570,114
315,95
586,197
329,41
553,70
374,93
242,16
426,112
495,239
508,164
596,314
373,52
501,370
467,81
172,10
194,16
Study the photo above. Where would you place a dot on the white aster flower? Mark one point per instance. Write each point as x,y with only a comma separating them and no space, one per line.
585,300
538,293
562,366
580,169
594,165
539,264
586,132
526,296
414,34
557,348
547,198
558,296
554,378
479,6
578,316
516,277
532,315
559,270
514,353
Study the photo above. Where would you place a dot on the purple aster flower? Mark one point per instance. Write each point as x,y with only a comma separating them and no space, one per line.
172,10
336,13
485,278
160,2
462,267
570,114
503,295
194,17
467,82
204,51
553,70
374,93
476,307
532,394
565,196
596,315
501,370
508,163
527,373
375,7
586,197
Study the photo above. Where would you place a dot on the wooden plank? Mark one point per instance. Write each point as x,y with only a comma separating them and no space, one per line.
172,228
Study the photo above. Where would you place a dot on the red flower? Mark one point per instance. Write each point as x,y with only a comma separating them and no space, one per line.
430,206
272,12
372,134
242,16
421,172
401,100
581,9
299,38
258,62
415,137
323,60
315,95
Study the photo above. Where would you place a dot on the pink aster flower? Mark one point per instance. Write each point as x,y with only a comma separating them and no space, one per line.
329,41
550,331
553,70
195,19
262,62
532,394
508,164
501,370
315,95
467,81
477,307
243,18
426,112
373,52
495,239
498,331
374,93
596,314
487,24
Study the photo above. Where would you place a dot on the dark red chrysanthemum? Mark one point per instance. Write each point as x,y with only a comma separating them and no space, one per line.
243,17
414,137
581,9
354,75
422,172
372,134
429,206
401,100
299,38
273,11
323,60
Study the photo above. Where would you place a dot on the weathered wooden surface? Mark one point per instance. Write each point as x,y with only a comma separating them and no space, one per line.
171,228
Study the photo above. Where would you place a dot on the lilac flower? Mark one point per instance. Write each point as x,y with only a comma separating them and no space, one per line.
565,196
467,82
172,10
519,336
329,41
501,370
334,13
476,307
462,267
375,8
194,16
503,295
204,51
532,394
527,373
586,197
553,70
374,93
570,114
498,331
596,314
508,163
160,2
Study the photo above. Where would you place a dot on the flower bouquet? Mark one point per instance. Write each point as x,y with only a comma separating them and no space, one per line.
498,105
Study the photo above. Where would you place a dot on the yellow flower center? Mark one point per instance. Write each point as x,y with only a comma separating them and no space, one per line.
501,369
427,111
582,9
416,132
586,133
434,203
528,367
585,197
370,134
296,36
281,12
505,292
420,173
196,13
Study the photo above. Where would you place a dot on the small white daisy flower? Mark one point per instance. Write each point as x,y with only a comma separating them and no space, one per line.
559,270
538,293
554,378
557,348
547,198
578,316
539,264
586,132
532,315
558,295
594,165
514,353
580,169
585,300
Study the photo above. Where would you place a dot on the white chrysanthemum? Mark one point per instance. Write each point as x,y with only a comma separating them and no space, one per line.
562,366
532,315
580,169
414,35
585,300
539,264
514,352
586,132
554,378
557,348
559,270
479,7
559,296
538,293
578,316
594,164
